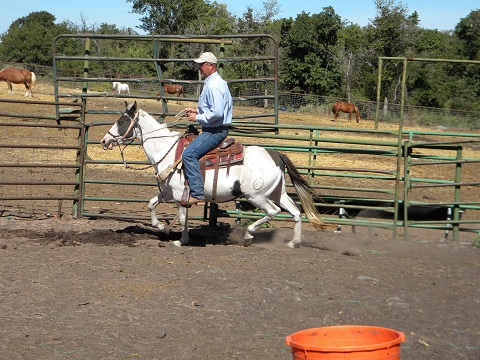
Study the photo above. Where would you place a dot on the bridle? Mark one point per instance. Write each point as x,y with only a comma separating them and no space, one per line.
134,124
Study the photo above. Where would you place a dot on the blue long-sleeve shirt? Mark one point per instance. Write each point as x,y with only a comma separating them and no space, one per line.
215,103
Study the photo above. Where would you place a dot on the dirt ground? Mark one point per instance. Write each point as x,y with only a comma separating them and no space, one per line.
107,289
101,289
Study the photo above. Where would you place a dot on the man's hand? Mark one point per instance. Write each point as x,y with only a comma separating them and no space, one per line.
191,113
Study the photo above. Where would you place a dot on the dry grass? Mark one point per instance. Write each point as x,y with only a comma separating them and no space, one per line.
339,131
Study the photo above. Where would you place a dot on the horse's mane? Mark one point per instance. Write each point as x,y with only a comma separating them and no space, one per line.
143,113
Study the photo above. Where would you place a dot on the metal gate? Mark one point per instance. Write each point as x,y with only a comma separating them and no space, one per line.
93,180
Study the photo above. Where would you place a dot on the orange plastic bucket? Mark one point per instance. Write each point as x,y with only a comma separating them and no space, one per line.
347,343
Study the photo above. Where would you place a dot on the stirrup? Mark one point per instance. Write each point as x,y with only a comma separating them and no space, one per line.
185,197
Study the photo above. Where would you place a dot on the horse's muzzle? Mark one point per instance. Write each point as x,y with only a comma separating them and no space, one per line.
108,144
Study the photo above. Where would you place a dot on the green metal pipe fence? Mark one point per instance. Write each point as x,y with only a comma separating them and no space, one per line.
388,179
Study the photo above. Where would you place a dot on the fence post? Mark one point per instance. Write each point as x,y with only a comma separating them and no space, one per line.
379,82
456,206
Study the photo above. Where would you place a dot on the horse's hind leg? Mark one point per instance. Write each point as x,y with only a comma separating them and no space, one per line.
269,208
183,220
289,205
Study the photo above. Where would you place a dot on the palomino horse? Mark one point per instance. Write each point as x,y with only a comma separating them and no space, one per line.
260,178
121,88
18,76
346,108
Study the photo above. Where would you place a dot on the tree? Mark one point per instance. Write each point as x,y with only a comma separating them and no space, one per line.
29,39
177,17
306,44
468,31
255,21
348,53
120,48
392,34
168,17
430,83
394,29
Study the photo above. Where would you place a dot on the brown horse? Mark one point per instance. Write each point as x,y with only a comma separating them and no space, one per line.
174,89
18,76
346,108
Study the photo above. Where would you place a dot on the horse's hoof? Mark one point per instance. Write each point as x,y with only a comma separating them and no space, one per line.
247,238
247,242
293,245
177,243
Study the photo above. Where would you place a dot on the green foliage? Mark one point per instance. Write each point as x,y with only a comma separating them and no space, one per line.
29,39
433,44
468,31
170,17
394,30
122,49
391,35
306,43
320,54
348,54
165,17
254,23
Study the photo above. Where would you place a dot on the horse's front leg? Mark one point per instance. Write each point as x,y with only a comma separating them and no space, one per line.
152,204
10,87
183,220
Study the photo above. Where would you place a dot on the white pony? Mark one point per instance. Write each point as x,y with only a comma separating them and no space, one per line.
260,179
121,88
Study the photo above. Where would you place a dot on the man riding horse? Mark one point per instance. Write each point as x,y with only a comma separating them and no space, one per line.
214,114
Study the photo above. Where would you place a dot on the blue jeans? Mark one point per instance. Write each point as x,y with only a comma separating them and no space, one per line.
207,140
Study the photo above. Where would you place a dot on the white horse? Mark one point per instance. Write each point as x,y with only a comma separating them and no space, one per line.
260,179
121,88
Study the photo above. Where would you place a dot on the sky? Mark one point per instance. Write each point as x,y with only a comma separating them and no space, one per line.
433,14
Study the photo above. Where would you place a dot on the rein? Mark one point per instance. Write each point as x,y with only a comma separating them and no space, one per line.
134,123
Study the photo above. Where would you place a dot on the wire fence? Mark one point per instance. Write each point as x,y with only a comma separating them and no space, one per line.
292,101
413,115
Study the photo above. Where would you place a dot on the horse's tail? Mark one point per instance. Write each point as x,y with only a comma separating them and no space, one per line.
304,192
34,80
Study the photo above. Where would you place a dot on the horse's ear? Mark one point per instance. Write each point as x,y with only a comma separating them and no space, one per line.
131,108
